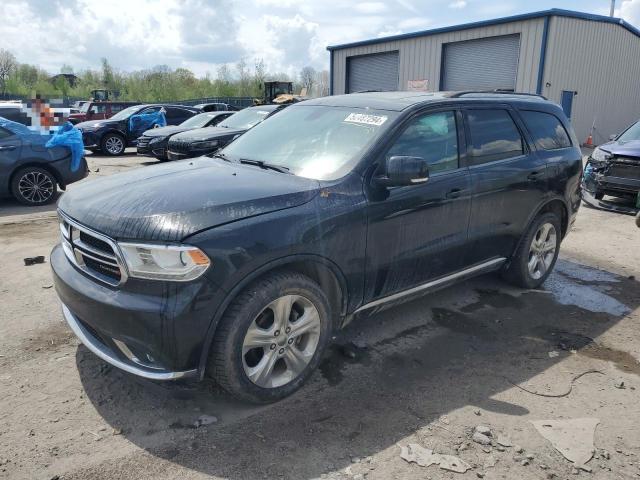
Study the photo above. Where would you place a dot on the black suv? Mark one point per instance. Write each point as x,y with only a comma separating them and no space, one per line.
242,265
113,135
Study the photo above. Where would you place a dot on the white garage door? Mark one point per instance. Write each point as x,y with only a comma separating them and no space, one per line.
484,64
372,72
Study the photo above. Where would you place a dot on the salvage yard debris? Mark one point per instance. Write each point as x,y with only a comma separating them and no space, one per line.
424,457
33,260
573,438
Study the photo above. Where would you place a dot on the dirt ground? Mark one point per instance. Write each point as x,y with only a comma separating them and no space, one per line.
426,373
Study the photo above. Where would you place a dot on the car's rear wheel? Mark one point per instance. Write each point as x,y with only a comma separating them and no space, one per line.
113,144
34,186
537,253
271,338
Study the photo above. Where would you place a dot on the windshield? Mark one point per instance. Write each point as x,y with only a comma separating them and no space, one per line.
85,107
317,142
246,118
198,121
126,113
632,133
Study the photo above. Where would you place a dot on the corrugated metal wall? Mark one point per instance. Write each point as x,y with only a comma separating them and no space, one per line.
600,61
420,57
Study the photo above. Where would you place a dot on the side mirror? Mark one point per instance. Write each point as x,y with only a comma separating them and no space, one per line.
403,170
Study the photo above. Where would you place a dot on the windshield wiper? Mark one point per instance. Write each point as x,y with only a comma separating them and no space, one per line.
221,155
262,164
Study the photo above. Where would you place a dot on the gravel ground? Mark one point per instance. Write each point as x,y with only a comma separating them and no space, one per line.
426,373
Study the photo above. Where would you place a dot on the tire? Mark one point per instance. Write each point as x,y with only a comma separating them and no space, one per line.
113,144
34,186
279,362
638,219
533,262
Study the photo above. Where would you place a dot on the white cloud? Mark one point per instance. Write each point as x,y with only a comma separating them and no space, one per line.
458,4
370,7
630,11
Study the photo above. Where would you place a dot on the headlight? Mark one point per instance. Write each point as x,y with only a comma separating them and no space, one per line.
600,155
179,263
204,145
156,140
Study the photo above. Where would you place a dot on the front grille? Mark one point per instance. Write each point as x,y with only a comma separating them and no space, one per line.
625,167
143,141
92,252
179,146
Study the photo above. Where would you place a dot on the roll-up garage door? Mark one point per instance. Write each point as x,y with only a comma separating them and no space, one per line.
484,64
372,72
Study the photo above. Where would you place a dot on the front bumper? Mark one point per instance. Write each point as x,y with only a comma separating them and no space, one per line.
151,149
105,353
90,139
149,328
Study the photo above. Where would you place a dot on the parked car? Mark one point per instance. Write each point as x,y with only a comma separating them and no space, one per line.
29,171
614,169
14,111
98,111
202,141
154,142
332,208
216,107
112,136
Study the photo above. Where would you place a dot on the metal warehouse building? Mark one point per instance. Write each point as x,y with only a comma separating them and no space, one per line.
590,64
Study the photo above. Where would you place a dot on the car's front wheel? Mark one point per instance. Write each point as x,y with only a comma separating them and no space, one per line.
537,253
113,144
34,186
271,338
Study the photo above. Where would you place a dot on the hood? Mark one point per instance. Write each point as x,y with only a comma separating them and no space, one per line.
169,202
207,133
165,131
626,149
89,124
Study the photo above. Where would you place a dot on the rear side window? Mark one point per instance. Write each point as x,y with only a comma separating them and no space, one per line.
546,130
117,107
494,136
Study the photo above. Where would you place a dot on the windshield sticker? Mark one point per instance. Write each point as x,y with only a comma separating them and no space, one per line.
366,119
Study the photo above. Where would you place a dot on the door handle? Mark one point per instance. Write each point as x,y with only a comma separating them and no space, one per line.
7,147
533,176
454,193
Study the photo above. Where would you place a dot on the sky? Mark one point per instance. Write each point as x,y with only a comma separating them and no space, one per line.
203,34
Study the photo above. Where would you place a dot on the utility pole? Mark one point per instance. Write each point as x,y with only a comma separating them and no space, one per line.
613,7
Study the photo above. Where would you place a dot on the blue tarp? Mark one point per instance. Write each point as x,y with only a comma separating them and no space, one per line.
140,122
70,137
15,127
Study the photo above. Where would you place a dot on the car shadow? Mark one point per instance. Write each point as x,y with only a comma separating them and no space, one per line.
10,207
385,377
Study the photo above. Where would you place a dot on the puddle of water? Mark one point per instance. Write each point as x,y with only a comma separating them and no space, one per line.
566,292
493,298
584,273
459,322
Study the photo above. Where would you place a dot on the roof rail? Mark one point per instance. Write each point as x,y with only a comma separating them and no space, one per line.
497,91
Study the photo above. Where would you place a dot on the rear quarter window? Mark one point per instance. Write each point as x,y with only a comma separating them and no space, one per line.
546,129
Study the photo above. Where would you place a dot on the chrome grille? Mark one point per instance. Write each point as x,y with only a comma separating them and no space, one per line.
92,252
143,141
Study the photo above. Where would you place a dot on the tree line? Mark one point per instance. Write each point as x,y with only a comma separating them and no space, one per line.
158,84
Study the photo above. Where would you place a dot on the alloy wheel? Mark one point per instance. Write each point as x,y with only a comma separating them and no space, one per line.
281,341
35,187
114,145
542,250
